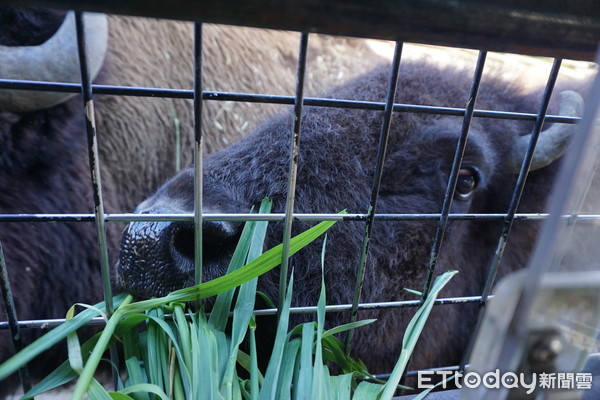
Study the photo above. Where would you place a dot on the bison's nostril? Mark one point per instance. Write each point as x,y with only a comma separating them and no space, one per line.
183,241
218,238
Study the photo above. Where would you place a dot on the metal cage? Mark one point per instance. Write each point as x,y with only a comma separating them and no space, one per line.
548,28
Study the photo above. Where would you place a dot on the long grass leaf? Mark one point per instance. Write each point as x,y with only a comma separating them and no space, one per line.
51,338
145,388
183,328
97,392
269,388
284,382
266,262
185,370
73,346
344,386
318,382
136,376
244,306
119,396
412,333
220,311
64,374
92,363
367,391
255,375
303,388
346,327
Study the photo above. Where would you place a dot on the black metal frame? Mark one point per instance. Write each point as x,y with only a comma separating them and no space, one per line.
389,107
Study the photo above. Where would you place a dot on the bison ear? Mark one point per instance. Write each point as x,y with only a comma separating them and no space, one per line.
55,60
552,142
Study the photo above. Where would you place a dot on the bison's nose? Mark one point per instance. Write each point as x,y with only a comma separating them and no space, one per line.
158,257
218,237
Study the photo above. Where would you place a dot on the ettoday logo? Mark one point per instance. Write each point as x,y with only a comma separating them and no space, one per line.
509,380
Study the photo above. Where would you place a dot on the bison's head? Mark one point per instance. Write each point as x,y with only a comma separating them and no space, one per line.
336,164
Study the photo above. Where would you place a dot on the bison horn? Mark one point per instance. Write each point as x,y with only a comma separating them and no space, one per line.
552,142
55,60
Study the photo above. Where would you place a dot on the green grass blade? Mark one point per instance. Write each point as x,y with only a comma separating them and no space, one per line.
220,311
344,386
256,377
145,388
183,329
151,349
97,392
51,338
303,388
319,382
346,327
288,361
92,363
367,391
205,368
184,369
412,333
119,396
266,262
73,346
136,376
269,388
244,307
64,374
415,292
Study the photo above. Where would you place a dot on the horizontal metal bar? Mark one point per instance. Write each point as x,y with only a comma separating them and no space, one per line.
276,217
549,28
51,323
272,99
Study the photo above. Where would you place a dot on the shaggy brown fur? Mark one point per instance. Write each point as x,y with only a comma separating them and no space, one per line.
138,134
43,156
338,148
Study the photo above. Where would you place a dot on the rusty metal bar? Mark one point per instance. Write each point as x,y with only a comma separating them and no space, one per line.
94,160
452,180
376,184
293,167
198,147
514,203
12,319
271,99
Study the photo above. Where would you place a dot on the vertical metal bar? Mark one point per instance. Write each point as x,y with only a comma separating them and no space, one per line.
90,124
198,151
458,157
11,316
514,203
293,168
381,150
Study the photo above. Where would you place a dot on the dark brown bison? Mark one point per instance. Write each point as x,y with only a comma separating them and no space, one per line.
43,156
336,164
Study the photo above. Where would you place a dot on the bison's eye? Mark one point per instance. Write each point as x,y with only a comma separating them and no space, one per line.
468,178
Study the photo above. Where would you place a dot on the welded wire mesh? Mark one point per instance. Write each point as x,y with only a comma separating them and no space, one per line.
370,216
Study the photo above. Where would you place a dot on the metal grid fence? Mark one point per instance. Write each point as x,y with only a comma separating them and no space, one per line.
90,90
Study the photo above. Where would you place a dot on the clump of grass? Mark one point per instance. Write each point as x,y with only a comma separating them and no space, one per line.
191,355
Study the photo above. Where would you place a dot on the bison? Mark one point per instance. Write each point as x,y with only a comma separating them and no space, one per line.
335,168
43,156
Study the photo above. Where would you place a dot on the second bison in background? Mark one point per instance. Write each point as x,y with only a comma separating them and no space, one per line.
336,164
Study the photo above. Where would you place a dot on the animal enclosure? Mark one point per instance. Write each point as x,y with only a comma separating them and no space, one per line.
546,36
